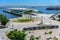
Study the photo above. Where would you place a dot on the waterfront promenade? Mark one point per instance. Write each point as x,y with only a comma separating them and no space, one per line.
19,26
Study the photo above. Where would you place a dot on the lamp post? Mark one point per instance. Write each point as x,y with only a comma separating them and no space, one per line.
41,19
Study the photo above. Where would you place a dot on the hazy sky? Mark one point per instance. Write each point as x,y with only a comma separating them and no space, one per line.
29,2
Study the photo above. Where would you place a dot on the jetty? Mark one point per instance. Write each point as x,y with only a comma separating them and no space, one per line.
12,12
18,11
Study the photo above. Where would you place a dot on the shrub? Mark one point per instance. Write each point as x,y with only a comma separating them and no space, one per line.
16,35
46,33
32,38
50,32
37,38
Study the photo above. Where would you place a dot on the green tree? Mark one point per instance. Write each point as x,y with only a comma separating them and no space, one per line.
59,17
16,35
29,12
3,19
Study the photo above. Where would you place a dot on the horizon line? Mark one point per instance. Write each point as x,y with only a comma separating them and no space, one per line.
30,5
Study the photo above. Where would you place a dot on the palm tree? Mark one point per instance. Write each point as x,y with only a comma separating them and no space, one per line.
29,12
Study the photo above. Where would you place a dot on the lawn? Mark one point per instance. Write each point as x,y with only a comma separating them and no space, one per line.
23,20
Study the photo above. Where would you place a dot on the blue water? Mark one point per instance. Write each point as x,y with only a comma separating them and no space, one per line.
39,8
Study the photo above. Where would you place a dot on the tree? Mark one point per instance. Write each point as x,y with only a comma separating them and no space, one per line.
16,35
59,17
28,12
3,19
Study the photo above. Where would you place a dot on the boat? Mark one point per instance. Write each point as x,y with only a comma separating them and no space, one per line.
53,8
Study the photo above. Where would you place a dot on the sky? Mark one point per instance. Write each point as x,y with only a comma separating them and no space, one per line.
29,2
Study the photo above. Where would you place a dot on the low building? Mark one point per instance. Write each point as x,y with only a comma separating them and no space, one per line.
56,16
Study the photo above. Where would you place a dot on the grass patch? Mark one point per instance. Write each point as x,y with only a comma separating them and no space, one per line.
24,20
